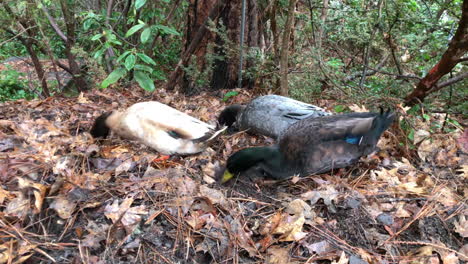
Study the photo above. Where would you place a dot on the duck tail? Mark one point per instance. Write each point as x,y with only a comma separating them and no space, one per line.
100,128
384,120
209,136
229,115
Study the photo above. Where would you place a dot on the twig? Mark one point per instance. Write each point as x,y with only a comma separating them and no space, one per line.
17,35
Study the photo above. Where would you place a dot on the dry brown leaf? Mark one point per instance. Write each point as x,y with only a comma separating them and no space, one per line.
18,207
449,258
63,207
320,248
124,167
133,215
115,210
216,196
343,259
39,191
83,100
461,226
243,238
411,187
357,108
328,193
420,135
292,221
3,195
14,251
279,255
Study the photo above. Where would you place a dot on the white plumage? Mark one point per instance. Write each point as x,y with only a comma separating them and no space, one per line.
159,126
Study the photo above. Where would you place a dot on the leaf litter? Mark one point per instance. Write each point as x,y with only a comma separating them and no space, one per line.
67,198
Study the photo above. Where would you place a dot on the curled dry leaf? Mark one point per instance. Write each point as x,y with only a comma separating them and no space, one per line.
39,191
461,226
328,193
279,255
243,238
124,167
128,216
14,251
292,221
216,196
18,207
63,207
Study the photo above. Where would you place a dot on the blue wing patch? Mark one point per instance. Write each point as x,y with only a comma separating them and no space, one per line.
353,140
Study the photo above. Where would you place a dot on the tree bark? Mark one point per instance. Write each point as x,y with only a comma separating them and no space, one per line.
77,75
225,69
285,48
458,46
195,43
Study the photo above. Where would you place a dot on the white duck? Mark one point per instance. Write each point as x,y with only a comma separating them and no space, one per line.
158,126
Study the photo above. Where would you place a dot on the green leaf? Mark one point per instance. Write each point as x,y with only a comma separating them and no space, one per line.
139,4
121,57
134,29
141,67
145,35
167,30
229,95
411,135
146,58
96,37
426,117
99,53
144,81
113,77
87,24
339,108
130,61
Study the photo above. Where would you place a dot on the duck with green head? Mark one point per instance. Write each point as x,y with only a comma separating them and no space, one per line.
313,145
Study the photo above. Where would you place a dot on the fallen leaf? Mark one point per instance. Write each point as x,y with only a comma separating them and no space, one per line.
63,207
461,226
279,255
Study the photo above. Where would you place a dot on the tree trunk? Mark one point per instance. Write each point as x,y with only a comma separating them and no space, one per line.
458,46
225,69
195,43
77,75
285,48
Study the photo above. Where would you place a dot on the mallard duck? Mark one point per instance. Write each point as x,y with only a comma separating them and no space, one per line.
313,145
158,126
268,115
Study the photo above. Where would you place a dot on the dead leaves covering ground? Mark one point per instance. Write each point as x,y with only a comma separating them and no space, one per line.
68,199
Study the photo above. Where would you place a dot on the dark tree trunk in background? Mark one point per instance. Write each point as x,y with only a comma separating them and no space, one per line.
253,37
458,47
198,38
226,68
70,22
198,12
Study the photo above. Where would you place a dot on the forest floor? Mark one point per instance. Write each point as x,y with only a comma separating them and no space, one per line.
66,198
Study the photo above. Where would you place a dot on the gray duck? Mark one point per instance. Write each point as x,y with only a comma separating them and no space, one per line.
268,115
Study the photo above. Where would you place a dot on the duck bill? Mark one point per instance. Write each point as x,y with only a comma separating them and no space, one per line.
226,176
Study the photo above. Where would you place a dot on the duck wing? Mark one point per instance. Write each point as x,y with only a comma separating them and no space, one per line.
270,115
320,143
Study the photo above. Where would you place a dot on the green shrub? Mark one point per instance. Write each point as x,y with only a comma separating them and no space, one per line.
12,87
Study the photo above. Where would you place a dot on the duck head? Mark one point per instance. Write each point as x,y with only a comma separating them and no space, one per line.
268,159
